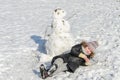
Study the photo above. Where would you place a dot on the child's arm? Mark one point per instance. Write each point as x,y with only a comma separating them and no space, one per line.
87,61
75,50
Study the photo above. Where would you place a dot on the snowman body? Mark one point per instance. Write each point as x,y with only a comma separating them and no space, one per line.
60,40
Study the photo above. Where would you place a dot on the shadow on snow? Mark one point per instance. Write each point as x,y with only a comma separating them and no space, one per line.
41,43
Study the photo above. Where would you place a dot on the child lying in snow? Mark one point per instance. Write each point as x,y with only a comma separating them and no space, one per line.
80,55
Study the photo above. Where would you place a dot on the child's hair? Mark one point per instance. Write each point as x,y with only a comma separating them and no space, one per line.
84,44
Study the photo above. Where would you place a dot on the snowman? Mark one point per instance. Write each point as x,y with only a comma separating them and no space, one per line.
60,40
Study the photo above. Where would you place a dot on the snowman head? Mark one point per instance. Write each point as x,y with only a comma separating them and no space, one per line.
59,13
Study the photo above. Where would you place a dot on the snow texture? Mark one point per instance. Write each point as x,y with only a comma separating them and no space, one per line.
22,37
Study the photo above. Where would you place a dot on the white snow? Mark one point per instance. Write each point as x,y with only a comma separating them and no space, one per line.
22,43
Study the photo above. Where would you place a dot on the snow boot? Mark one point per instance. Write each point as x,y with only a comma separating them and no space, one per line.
43,71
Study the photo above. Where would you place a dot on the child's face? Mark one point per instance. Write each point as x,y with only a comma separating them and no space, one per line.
88,50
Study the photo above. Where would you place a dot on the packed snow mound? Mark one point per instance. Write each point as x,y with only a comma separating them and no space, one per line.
22,44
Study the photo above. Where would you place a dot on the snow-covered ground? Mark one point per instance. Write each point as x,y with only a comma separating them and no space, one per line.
22,29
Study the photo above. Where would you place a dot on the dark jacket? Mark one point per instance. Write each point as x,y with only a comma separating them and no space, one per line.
72,59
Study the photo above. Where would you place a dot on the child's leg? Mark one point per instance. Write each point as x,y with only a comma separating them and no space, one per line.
58,66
